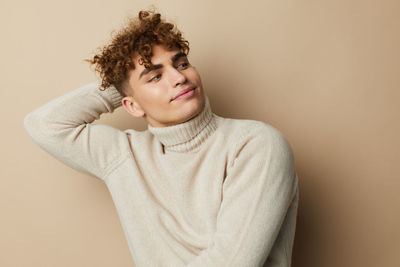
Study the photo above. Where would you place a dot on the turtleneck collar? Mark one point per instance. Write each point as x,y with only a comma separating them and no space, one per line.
188,135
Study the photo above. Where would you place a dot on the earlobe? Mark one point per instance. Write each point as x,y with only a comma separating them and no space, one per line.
132,107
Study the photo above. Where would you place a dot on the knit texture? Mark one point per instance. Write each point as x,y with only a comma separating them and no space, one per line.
211,191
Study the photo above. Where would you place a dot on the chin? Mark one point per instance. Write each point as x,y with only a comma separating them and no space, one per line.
189,109
189,114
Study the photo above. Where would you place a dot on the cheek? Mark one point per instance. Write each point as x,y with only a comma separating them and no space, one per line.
194,76
156,95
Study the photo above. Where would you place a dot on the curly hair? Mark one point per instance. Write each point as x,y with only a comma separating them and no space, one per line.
115,59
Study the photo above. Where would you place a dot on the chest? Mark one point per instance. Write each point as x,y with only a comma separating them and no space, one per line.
173,188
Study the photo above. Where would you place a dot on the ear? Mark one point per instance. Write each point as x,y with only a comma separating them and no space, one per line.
132,107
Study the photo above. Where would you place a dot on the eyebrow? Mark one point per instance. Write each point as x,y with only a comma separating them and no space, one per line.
178,56
175,58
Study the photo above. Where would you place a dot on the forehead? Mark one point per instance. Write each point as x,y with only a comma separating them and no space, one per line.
160,55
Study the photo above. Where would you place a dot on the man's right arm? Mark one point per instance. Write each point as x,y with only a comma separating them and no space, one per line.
63,128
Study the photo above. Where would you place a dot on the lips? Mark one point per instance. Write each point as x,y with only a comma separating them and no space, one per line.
184,91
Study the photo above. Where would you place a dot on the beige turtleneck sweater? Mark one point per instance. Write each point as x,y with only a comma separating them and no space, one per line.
211,191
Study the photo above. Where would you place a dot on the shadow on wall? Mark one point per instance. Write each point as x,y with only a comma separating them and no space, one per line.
308,231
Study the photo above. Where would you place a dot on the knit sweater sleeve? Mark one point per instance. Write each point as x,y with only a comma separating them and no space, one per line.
63,128
259,187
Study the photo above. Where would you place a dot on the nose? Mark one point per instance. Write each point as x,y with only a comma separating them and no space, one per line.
176,77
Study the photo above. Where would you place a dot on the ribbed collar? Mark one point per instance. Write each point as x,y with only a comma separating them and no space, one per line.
188,135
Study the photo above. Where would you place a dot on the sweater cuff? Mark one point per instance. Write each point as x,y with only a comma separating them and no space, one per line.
112,94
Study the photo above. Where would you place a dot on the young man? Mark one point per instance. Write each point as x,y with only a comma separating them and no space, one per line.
194,189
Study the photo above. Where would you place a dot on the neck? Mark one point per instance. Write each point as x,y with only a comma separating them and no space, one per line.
188,135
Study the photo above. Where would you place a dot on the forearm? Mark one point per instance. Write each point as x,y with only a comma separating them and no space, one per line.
63,128
82,105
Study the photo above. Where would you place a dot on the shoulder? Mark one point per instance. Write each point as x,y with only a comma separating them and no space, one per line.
252,139
244,130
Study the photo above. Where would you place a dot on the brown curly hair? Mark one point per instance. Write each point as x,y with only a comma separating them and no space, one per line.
115,59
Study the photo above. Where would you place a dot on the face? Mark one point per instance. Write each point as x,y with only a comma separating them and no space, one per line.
154,92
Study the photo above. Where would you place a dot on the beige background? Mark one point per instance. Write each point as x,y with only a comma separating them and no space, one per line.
325,73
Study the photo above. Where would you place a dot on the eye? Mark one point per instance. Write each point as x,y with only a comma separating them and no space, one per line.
155,78
183,65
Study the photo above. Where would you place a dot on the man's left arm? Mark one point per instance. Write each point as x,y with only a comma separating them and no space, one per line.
260,185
